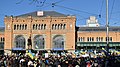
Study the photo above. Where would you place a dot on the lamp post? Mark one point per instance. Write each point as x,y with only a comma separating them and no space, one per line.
107,27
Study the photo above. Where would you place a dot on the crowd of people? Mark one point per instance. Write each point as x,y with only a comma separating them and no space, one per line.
61,60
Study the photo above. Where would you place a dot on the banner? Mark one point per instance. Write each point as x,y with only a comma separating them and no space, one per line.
30,54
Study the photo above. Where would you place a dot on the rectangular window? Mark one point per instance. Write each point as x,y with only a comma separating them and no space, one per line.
83,39
88,39
97,39
92,38
110,39
101,39
106,38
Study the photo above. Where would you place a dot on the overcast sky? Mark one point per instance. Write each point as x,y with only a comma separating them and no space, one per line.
82,9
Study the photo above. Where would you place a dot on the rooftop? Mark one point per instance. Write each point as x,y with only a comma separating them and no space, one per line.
102,28
43,14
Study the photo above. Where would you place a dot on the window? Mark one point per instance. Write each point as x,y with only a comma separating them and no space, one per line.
20,27
99,39
44,26
92,39
64,26
55,26
39,27
14,27
58,42
81,39
58,26
61,26
33,26
3,39
110,39
39,42
19,42
36,27
17,27
52,26
25,26
88,39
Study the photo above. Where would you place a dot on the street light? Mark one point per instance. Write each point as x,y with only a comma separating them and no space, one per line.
107,27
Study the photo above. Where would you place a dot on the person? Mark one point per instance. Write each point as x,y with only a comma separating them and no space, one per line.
2,63
88,64
30,63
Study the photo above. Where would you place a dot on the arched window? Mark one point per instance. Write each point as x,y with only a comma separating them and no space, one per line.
44,26
39,42
25,26
17,27
64,26
14,27
58,42
33,26
19,42
52,26
20,27
36,26
58,26
55,26
39,27
61,26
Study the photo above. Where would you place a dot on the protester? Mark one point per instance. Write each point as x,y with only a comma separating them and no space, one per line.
61,60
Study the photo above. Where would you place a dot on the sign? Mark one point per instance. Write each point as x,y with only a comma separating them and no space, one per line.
46,55
39,13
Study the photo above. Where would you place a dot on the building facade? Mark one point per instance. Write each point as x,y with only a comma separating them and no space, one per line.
93,36
48,30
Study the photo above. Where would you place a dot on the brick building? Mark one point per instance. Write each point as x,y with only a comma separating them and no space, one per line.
49,30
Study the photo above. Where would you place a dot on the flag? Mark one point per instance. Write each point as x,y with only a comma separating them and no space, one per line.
30,54
106,53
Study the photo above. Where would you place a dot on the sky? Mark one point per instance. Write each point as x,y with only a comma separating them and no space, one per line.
82,9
